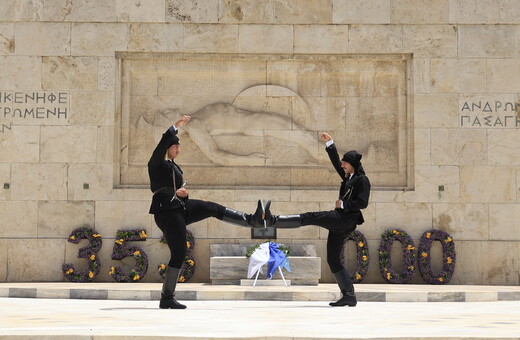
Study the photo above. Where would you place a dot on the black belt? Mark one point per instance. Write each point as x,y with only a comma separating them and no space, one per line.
164,190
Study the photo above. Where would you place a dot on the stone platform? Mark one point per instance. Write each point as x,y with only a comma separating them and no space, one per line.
208,292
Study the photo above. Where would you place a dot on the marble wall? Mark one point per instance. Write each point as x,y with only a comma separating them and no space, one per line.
63,96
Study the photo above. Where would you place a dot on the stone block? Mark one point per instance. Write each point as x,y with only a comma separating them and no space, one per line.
303,12
68,144
405,216
114,215
487,184
98,39
192,11
499,76
375,38
233,268
5,180
59,218
464,222
92,182
211,38
141,11
22,292
422,146
74,73
500,143
474,12
488,41
419,12
458,75
6,38
80,10
503,222
21,144
430,41
265,39
24,73
35,260
356,12
321,39
245,12
39,181
446,297
19,218
105,137
436,110
3,261
421,75
92,108
155,37
459,146
42,39
106,74
437,183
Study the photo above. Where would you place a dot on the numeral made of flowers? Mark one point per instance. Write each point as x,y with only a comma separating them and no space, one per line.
122,250
448,256
89,252
188,267
385,253
362,257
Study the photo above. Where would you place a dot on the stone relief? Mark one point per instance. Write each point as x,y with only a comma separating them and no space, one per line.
257,122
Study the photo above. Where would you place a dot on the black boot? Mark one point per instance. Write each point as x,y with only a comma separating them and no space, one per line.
246,220
168,290
348,297
281,221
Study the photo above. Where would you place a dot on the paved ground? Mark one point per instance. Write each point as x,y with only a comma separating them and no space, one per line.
124,319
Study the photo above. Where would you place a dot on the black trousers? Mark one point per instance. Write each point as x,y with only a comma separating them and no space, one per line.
173,225
339,224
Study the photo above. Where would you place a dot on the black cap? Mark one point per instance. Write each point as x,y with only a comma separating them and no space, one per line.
352,157
174,141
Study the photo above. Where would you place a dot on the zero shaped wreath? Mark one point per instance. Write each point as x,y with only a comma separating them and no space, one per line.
385,252
362,257
448,256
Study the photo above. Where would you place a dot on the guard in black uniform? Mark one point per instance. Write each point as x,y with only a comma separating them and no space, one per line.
354,193
173,210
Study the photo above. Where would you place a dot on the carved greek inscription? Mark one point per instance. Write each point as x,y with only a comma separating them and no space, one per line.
489,113
32,105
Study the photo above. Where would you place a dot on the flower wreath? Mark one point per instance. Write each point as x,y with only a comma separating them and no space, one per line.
385,248
122,250
363,259
285,249
448,256
188,266
89,252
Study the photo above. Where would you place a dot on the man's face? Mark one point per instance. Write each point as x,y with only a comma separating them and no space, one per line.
173,151
349,169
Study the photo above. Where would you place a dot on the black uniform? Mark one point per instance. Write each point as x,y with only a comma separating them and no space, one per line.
172,213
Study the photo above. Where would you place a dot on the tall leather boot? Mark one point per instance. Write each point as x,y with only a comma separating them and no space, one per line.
168,290
255,220
281,221
348,297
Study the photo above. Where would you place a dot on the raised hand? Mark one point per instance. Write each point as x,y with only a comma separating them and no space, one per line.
325,137
182,121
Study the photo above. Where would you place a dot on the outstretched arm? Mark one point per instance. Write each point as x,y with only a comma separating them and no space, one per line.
333,154
160,150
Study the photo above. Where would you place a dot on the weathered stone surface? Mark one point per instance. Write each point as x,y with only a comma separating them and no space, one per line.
155,37
24,73
391,215
46,39
479,41
195,11
356,12
430,41
59,218
231,249
3,260
500,146
422,147
321,39
419,12
75,73
114,215
68,144
422,75
303,11
6,38
503,219
245,11
106,74
466,147
487,184
474,12
499,76
5,180
92,108
103,39
140,11
19,219
80,10
20,144
436,110
28,258
39,181
265,39
464,222
437,183
99,179
375,38
458,75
